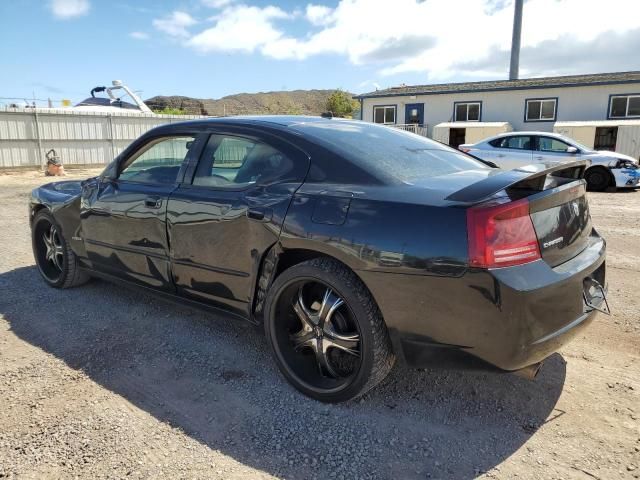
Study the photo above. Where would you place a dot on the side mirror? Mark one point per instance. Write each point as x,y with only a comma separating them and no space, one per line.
572,150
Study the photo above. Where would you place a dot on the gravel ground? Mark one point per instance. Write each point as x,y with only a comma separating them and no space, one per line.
102,382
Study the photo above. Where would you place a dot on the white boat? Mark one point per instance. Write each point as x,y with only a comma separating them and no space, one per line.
113,102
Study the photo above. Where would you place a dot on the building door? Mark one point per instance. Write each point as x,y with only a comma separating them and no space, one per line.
606,138
414,113
457,136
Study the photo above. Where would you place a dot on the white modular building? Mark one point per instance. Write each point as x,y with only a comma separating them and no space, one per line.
525,104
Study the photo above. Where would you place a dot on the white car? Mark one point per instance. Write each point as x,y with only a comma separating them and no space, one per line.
515,149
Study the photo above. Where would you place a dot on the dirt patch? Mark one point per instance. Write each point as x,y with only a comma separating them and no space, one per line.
101,382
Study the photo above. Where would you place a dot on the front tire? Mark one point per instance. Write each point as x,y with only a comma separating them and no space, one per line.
326,332
56,262
598,179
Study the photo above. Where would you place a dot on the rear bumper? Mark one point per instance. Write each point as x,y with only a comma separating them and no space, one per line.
506,318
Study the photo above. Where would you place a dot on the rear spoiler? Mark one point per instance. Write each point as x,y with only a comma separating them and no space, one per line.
530,177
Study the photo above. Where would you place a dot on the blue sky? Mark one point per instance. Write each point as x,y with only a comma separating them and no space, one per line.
211,48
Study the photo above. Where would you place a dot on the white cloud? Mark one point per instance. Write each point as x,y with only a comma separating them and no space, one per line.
65,9
240,28
139,35
175,24
319,15
440,38
216,3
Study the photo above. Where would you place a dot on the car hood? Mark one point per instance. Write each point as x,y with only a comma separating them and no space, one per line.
57,193
601,156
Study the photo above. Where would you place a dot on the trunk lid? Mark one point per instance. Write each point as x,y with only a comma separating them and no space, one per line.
557,200
562,222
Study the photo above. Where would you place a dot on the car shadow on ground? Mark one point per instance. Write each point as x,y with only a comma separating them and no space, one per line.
213,378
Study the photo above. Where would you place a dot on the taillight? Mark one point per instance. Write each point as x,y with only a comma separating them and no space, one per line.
501,235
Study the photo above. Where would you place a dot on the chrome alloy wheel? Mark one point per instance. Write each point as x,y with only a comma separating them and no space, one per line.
319,333
317,336
54,251
50,252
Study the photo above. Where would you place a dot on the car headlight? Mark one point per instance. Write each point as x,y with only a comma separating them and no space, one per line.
626,164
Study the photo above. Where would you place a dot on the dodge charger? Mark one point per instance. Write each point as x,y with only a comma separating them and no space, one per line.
351,244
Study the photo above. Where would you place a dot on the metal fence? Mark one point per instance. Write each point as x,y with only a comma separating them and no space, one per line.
79,138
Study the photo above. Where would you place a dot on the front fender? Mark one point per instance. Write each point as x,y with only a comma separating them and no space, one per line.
62,199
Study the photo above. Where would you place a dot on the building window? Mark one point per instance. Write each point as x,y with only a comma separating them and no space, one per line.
624,106
467,111
385,114
541,109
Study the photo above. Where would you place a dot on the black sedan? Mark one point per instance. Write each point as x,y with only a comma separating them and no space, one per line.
353,244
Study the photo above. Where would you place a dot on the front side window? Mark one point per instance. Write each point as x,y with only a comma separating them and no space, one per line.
158,162
624,106
540,110
516,142
236,162
384,114
467,112
548,144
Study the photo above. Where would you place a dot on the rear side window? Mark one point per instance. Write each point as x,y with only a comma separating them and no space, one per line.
387,153
232,162
548,144
517,142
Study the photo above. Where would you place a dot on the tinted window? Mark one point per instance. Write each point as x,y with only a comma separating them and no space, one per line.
634,107
543,109
474,111
229,161
158,162
619,107
387,153
533,111
518,142
467,112
549,144
385,114
625,106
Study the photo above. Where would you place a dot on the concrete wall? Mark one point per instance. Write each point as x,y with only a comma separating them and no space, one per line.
574,103
26,135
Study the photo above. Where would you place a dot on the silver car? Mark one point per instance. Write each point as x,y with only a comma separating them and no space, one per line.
515,149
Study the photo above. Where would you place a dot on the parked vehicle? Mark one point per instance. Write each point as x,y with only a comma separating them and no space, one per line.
351,243
112,101
515,149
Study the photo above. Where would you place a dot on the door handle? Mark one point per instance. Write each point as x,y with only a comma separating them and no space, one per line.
501,155
260,214
539,158
153,202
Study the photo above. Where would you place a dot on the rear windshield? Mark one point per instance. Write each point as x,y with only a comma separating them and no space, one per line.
388,153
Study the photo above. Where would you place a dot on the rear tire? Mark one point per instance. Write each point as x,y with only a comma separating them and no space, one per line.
326,332
55,260
598,179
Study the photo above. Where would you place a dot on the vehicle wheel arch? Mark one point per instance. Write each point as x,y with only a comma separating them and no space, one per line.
605,170
36,208
278,259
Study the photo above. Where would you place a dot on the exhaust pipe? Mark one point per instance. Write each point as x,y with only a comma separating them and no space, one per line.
529,372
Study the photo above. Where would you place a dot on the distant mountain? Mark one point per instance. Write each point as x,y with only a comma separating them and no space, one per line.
296,102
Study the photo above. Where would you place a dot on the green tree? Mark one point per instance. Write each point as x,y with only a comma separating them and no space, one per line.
170,111
341,104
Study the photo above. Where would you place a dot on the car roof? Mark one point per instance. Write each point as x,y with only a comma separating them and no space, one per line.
529,132
281,120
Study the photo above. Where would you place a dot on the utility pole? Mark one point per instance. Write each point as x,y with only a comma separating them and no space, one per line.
515,40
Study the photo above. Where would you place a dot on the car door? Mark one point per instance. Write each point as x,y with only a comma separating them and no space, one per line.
513,151
553,150
222,223
123,218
